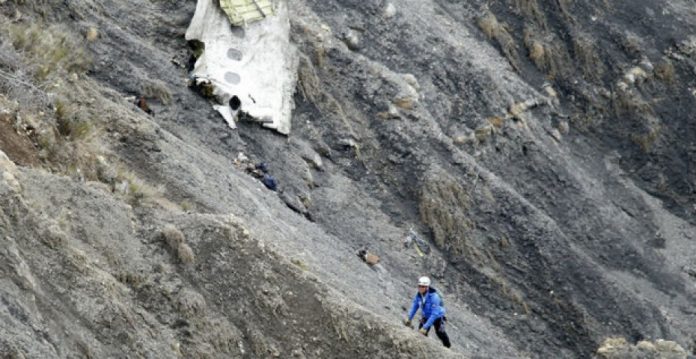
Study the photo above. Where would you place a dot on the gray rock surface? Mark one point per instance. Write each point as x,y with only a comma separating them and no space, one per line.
557,218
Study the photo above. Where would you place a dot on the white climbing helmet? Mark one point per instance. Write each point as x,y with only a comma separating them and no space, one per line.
424,281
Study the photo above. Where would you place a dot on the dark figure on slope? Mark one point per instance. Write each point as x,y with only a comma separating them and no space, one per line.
432,311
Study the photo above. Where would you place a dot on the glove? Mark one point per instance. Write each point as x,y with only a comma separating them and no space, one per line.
407,322
423,331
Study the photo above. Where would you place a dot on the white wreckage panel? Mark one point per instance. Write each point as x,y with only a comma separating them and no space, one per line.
256,63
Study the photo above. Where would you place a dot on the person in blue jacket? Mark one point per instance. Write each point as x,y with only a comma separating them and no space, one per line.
432,310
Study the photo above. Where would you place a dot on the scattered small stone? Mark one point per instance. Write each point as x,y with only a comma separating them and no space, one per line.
347,142
352,40
368,257
556,134
389,11
92,34
563,127
141,102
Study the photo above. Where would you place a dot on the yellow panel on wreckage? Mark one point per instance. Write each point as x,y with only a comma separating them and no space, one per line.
242,12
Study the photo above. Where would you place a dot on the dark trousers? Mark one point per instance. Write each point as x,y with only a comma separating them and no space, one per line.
439,326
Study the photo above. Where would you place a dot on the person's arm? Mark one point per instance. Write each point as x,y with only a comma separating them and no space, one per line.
436,311
414,308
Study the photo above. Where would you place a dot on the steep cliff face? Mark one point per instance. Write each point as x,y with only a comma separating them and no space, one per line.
543,148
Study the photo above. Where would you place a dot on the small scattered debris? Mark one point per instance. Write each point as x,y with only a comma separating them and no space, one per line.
352,40
563,127
241,159
389,11
422,247
555,134
270,182
347,143
368,257
92,34
259,171
141,102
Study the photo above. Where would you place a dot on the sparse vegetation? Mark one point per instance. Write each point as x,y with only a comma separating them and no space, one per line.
530,10
443,206
564,8
176,241
185,253
300,264
511,294
130,278
190,303
586,56
496,121
172,236
51,49
307,80
628,102
70,121
647,139
92,34
482,133
497,31
49,57
619,347
664,71
548,54
135,190
158,90
631,44
186,205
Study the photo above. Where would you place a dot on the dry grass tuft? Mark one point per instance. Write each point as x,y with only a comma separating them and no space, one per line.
564,8
647,139
136,191
41,7
496,121
512,295
92,34
187,206
190,303
586,55
307,80
484,132
70,122
175,239
444,206
172,236
664,71
618,347
630,103
497,31
300,264
185,254
632,44
529,9
52,56
548,55
536,51
53,50
157,89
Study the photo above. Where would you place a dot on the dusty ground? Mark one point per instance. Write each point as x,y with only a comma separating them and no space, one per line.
556,221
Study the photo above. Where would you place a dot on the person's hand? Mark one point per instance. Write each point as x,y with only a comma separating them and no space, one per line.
407,322
423,331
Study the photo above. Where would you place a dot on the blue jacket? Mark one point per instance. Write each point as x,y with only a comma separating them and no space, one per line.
430,305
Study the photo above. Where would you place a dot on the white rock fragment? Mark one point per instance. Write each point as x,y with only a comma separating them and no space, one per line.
389,11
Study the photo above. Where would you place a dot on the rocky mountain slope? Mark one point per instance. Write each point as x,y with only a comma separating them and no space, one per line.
545,149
